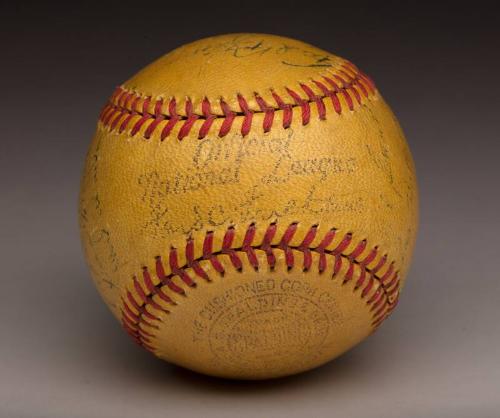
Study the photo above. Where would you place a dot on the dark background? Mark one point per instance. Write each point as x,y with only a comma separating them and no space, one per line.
61,352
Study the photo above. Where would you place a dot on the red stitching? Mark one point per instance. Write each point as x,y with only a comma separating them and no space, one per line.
138,315
332,94
246,125
287,110
127,106
316,99
304,104
228,119
268,113
209,118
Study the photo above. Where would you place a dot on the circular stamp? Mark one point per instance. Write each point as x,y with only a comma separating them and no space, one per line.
285,320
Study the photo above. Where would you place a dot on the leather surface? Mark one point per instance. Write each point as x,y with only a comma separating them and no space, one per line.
225,66
142,197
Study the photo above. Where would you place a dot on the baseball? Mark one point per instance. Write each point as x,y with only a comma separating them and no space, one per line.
248,207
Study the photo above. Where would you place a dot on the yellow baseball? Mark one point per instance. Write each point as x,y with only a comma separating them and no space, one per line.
249,206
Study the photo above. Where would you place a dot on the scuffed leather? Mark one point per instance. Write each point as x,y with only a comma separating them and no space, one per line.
141,197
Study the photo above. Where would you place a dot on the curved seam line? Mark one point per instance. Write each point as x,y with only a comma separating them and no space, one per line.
387,306
125,105
237,113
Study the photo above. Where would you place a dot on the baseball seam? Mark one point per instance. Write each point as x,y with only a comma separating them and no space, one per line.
376,280
136,112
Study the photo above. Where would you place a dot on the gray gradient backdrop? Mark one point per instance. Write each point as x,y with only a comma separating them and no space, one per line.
61,352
